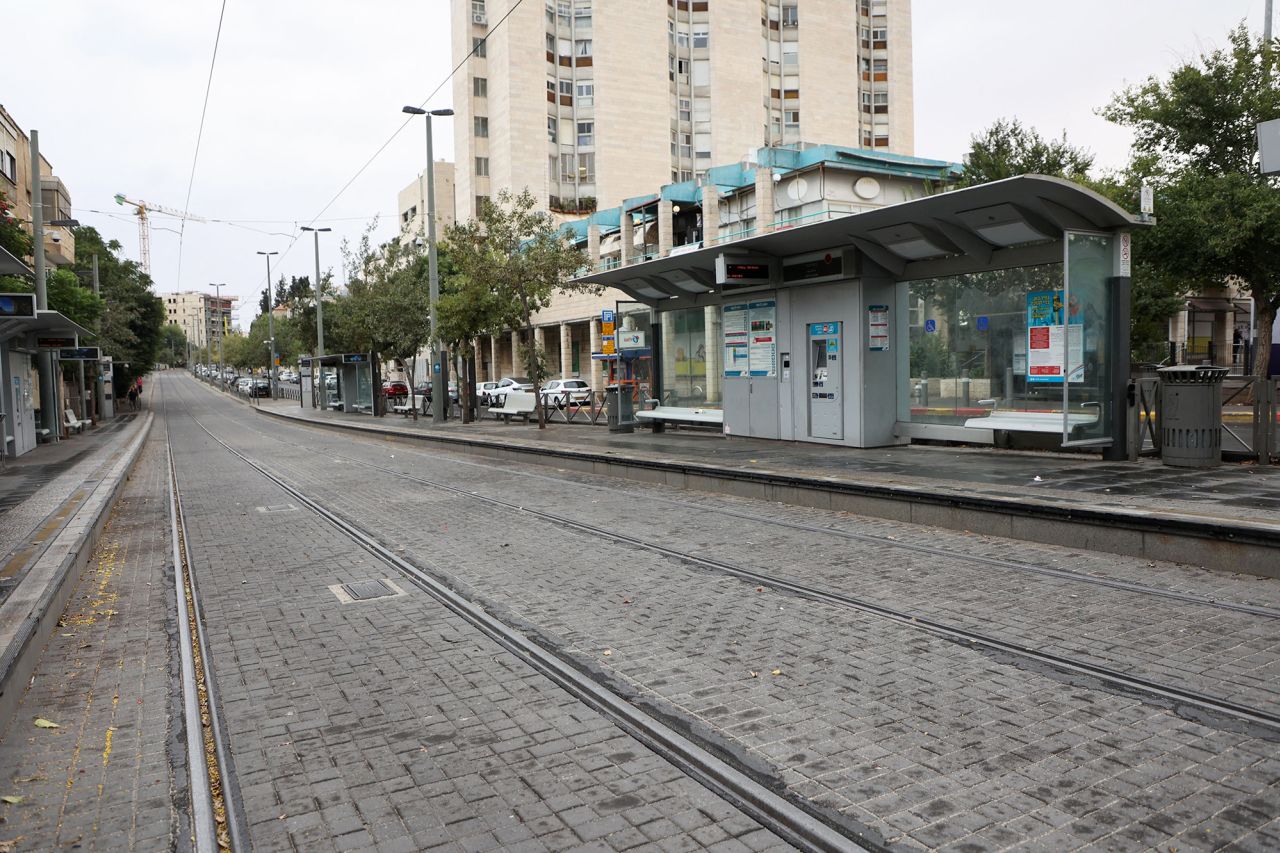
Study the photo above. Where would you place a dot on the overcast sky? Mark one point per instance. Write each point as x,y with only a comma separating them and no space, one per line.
306,91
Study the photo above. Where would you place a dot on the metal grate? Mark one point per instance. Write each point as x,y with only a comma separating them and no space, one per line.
365,590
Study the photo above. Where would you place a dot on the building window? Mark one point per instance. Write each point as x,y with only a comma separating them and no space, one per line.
481,126
790,16
582,47
551,43
586,132
790,53
482,167
478,47
477,12
480,200
880,66
686,110
682,66
553,126
480,87
701,36
879,34
568,174
792,118
586,94
566,87
587,168
582,19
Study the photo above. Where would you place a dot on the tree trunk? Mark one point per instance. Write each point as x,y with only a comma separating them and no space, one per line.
1264,319
531,368
413,400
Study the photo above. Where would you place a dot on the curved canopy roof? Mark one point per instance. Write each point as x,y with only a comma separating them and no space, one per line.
1015,222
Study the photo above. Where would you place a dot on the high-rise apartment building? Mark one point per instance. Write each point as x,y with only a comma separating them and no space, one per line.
590,102
204,318
411,202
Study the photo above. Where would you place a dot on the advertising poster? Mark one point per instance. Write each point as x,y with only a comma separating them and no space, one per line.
763,350
1052,329
734,326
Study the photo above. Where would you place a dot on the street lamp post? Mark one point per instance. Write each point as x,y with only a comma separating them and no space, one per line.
84,406
316,386
271,325
439,386
217,289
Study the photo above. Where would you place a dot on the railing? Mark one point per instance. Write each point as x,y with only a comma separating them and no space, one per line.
1249,415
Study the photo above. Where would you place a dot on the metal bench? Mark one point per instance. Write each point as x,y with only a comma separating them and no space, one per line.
1012,420
678,415
72,422
515,403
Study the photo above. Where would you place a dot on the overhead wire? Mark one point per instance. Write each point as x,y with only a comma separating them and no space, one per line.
195,158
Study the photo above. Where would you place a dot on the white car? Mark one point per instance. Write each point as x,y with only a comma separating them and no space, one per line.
566,392
482,392
507,385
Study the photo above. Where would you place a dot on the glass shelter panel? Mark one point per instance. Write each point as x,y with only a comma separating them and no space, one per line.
968,337
1087,410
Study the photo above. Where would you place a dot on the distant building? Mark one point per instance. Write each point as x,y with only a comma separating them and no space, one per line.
16,183
204,318
411,202
588,102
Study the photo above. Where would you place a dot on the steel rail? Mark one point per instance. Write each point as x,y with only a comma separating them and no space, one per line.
215,800
781,815
1117,678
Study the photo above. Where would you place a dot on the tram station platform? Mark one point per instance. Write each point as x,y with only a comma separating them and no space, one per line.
1225,518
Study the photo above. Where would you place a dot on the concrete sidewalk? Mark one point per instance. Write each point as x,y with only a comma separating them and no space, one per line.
1226,518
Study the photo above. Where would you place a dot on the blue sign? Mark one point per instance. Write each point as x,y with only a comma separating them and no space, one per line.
820,329
983,322
930,326
606,316
435,368
355,358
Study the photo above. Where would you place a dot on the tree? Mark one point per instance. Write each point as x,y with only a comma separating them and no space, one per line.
1008,148
132,316
12,237
173,340
388,299
466,309
1194,142
514,252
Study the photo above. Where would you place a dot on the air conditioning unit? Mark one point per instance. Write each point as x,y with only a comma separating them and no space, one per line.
479,18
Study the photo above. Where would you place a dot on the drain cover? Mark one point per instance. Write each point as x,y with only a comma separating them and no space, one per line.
364,590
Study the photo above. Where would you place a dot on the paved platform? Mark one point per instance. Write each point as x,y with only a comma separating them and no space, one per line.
1226,517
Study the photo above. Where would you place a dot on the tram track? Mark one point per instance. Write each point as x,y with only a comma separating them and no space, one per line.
1181,698
762,799
216,814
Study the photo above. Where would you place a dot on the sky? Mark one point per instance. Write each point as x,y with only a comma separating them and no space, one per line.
305,93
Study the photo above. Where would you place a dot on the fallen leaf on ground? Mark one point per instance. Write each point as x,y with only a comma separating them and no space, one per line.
11,799
42,723
10,845
759,589
754,674
776,672
22,779
608,652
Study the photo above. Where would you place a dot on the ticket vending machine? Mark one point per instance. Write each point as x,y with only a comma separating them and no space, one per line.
826,383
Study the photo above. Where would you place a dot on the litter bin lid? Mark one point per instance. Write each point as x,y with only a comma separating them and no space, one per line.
1192,373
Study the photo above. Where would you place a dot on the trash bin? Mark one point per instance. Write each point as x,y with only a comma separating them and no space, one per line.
619,409
1191,415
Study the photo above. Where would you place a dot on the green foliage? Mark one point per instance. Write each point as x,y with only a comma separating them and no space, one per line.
66,296
930,356
1008,148
173,344
12,236
132,316
1219,218
513,252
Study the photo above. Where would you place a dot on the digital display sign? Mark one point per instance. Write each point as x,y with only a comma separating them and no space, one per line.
17,305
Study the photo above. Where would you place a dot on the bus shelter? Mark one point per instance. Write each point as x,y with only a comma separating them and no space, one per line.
993,313
348,382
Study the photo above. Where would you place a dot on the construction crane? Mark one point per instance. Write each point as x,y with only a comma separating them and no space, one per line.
144,225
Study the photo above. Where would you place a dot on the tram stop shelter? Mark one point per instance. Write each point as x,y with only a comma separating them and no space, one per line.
24,330
992,314
347,382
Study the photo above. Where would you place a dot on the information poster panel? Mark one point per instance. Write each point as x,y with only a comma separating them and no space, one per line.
734,325
763,349
1049,324
878,328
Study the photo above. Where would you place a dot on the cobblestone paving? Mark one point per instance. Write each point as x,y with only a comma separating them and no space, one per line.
932,743
105,779
390,724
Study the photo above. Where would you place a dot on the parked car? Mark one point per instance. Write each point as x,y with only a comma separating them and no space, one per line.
483,390
423,389
243,384
260,388
508,385
288,376
566,392
395,388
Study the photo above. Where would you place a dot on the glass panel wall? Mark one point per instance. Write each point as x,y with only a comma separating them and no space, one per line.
691,369
969,344
1088,404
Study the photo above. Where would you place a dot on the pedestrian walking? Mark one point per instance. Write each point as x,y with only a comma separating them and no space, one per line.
133,397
